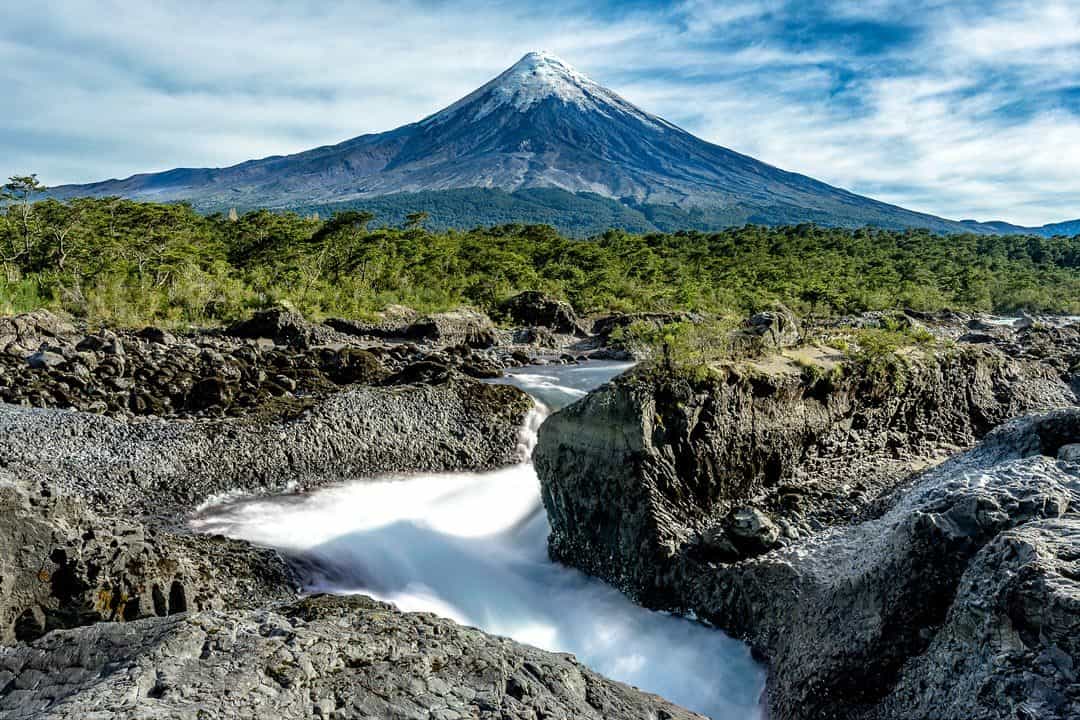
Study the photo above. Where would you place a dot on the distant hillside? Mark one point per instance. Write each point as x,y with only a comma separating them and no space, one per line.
587,214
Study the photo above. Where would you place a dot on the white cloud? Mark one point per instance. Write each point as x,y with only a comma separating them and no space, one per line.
111,88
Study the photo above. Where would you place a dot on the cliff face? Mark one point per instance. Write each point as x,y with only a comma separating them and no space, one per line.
642,469
782,505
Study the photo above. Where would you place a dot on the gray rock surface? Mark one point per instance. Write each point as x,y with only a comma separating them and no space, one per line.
774,329
458,327
284,327
879,588
536,309
860,621
1018,605
634,473
23,334
345,658
164,468
63,565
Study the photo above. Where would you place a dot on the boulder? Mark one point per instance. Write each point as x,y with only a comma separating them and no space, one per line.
210,392
1069,453
1024,321
25,333
458,327
64,566
604,326
777,328
157,336
424,372
1008,647
45,360
536,309
744,533
352,365
752,531
979,338
540,336
982,326
284,327
392,322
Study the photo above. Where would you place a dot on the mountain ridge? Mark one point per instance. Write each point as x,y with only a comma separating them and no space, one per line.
539,124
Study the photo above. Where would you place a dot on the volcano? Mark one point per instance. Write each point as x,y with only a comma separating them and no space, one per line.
540,125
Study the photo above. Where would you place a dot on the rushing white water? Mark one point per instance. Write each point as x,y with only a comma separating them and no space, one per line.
472,547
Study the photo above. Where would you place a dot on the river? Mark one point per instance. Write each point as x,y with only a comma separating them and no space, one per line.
473,547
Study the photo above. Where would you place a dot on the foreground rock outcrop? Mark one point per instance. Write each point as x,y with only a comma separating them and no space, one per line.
920,606
92,526
781,505
656,465
1019,604
345,658
110,607
165,468
63,565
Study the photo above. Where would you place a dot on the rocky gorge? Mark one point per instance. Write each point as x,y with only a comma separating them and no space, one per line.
112,438
800,501
794,498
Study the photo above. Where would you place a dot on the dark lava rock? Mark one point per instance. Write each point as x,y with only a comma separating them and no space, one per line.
393,322
664,457
752,531
284,327
978,338
150,372
45,360
745,532
209,392
606,325
424,372
22,334
157,335
352,365
154,467
459,327
536,309
611,354
65,566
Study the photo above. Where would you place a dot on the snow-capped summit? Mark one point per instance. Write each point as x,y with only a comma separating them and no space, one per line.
539,76
539,124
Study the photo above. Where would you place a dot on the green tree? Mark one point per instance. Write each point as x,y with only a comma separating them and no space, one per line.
416,220
18,194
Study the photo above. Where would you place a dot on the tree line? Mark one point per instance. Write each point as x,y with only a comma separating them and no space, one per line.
116,260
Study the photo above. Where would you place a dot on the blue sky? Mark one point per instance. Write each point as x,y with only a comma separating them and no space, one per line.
963,109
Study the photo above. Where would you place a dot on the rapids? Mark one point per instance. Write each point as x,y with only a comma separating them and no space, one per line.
472,547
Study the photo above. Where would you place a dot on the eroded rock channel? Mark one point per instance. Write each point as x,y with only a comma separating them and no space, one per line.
472,547
810,513
892,542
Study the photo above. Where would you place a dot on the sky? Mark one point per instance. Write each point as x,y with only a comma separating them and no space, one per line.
964,109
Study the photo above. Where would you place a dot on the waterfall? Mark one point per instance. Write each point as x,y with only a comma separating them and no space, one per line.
472,547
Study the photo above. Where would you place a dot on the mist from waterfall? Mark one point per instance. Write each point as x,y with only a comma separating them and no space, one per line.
473,547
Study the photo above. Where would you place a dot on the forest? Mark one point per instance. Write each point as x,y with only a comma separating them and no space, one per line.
118,261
